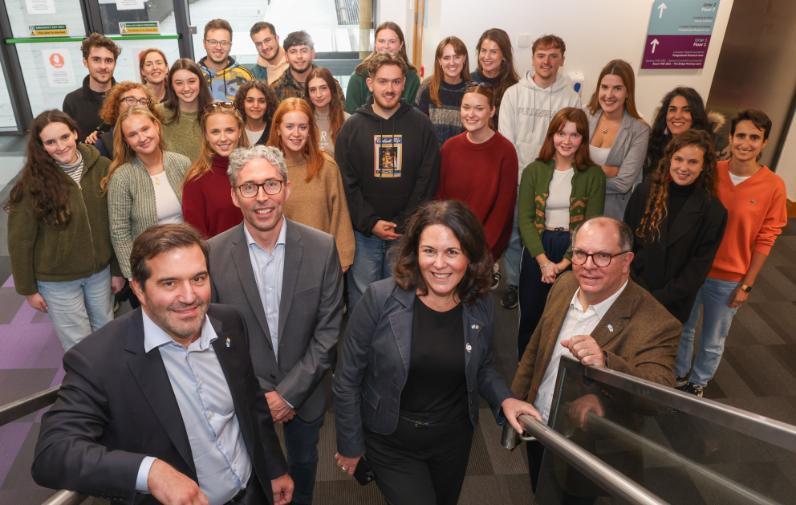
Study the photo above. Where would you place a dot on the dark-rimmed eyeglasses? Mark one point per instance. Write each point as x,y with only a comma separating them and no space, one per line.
214,42
131,101
251,189
600,259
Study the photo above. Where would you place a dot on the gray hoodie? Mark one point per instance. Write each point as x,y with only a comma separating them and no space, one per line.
526,111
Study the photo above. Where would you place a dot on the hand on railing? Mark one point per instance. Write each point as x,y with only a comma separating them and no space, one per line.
580,409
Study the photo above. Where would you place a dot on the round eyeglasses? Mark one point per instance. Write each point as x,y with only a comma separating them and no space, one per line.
251,189
600,259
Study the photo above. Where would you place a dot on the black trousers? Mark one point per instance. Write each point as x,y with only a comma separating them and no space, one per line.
253,494
421,464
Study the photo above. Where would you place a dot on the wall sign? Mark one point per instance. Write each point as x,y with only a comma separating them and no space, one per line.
679,33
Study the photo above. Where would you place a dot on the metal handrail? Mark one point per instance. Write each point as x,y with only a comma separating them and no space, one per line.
64,497
622,435
590,465
763,428
27,405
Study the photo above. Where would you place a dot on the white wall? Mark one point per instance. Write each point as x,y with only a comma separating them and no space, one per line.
786,166
595,32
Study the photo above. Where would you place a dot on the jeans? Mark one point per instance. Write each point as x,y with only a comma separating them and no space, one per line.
301,442
713,296
78,308
512,256
370,264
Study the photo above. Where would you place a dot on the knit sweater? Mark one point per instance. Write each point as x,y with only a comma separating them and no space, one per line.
43,252
321,204
756,214
484,176
357,93
207,203
131,202
183,135
586,200
446,117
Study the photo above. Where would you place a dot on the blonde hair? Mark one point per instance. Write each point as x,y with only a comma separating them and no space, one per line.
122,152
204,163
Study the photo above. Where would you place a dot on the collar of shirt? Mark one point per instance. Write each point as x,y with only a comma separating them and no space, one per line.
155,336
280,240
600,308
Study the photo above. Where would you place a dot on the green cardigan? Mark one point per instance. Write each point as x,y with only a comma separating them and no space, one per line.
43,252
131,202
587,200
357,93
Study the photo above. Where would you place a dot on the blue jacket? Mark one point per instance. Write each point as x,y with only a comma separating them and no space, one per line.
374,363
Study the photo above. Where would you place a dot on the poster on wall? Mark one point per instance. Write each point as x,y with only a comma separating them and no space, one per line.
37,7
679,33
58,64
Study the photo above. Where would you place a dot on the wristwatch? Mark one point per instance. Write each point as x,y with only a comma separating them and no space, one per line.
746,288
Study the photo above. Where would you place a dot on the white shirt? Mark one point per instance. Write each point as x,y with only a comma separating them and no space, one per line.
556,213
599,155
167,205
253,135
737,179
579,321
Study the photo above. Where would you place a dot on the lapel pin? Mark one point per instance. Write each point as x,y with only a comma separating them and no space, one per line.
610,328
475,327
468,347
227,343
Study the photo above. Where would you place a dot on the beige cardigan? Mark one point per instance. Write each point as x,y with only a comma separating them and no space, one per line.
321,203
131,202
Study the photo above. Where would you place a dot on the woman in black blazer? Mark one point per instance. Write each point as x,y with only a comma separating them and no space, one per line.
416,355
678,221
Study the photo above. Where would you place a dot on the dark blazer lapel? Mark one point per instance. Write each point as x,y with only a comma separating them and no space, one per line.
243,267
616,318
472,332
150,374
688,217
229,361
401,325
294,250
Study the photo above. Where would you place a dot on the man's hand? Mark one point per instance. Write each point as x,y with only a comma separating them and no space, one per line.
346,464
737,298
513,408
586,350
280,410
385,230
170,487
37,302
117,284
580,409
282,487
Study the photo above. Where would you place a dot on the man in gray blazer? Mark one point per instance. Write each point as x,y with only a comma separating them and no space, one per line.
286,281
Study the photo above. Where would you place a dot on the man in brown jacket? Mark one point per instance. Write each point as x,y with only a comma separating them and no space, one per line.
600,317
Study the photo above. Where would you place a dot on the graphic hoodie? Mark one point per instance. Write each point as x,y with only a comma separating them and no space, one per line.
389,166
526,110
224,84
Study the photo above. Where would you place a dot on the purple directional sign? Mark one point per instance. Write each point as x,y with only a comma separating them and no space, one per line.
679,33
675,51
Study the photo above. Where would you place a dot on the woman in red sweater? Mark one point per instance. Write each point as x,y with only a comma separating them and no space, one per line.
755,200
479,168
206,200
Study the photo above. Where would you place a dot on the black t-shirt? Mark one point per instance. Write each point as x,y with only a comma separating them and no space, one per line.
436,386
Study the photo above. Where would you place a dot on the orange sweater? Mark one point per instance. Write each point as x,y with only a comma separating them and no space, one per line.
756,214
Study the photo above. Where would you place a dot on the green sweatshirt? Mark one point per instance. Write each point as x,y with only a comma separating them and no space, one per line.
357,93
63,253
586,200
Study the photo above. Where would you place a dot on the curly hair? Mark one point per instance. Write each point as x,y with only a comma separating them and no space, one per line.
204,163
659,134
110,106
312,152
99,40
459,219
271,101
656,207
435,80
336,105
41,177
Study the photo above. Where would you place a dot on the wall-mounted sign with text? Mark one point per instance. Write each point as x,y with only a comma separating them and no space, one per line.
139,28
679,33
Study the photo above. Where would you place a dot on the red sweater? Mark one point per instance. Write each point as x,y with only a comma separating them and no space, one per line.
756,214
206,201
484,176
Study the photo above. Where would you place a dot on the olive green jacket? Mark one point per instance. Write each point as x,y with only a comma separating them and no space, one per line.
82,247
585,201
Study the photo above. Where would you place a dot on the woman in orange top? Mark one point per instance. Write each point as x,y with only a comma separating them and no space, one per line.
755,201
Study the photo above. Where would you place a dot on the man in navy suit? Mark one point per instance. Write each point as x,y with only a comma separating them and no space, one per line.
162,404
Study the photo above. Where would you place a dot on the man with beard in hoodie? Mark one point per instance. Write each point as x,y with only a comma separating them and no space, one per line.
525,113
223,74
389,159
